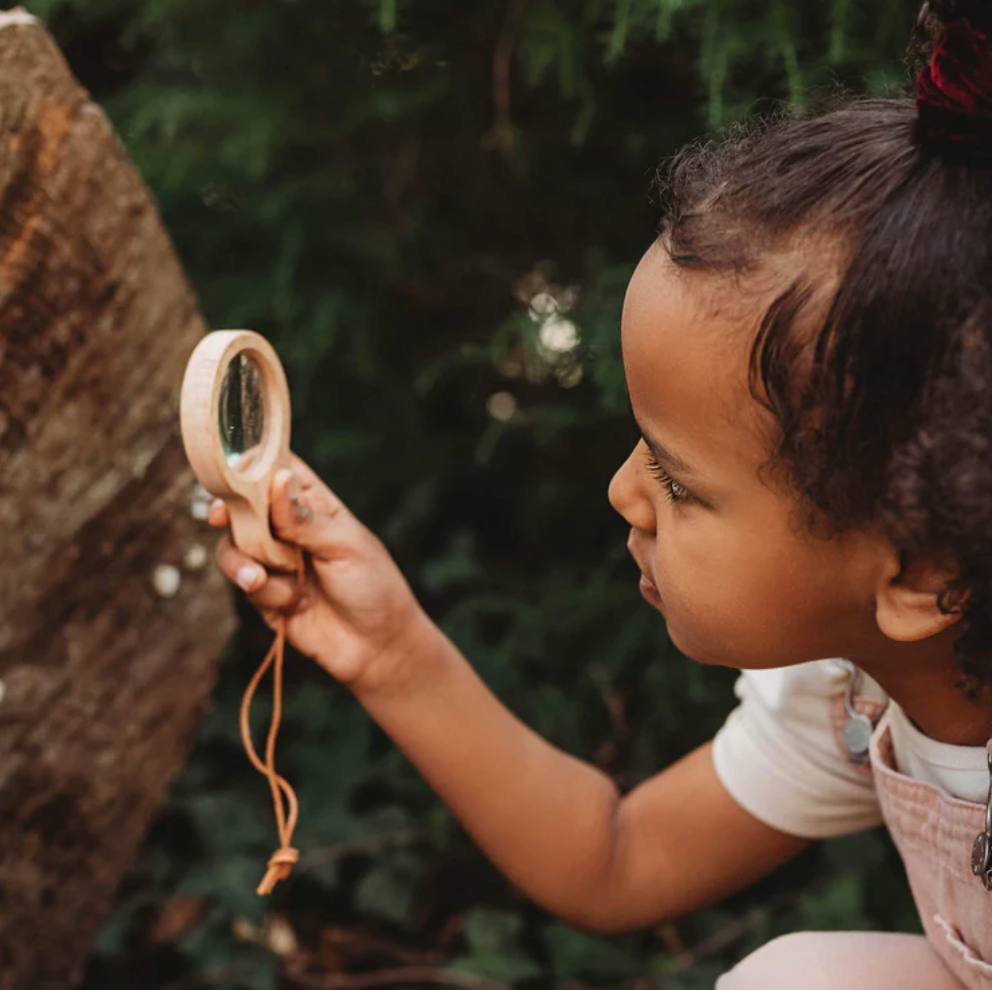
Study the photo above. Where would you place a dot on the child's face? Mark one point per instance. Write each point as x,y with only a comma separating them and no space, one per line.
736,579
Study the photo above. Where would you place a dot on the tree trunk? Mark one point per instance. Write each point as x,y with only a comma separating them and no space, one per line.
111,617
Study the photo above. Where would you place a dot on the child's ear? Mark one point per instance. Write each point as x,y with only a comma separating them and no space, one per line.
907,601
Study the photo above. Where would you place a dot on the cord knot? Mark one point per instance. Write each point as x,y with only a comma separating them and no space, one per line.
280,866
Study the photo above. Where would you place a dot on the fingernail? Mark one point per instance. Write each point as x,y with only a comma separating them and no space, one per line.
249,576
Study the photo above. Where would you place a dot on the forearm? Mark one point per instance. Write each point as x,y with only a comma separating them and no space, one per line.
545,819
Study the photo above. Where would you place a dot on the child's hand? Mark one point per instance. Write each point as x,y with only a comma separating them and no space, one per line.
353,612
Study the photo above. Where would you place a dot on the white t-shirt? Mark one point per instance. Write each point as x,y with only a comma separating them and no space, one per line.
779,756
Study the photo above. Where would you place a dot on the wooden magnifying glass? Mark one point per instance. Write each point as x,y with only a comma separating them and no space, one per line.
235,417
235,414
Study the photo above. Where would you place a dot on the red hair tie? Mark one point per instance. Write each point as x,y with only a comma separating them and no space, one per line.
954,92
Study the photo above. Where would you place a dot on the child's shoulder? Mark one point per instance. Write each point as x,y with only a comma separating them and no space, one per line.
781,755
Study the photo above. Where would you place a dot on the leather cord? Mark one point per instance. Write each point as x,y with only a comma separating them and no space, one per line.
282,860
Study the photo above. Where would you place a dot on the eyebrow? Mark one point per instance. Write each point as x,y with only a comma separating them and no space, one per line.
664,455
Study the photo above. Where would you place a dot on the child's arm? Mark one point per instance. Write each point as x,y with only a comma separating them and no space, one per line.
557,827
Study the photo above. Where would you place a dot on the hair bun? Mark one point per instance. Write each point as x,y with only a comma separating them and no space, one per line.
954,89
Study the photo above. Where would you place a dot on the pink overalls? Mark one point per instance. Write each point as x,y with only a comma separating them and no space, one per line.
935,836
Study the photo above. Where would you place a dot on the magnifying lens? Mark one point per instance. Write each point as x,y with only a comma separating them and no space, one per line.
235,414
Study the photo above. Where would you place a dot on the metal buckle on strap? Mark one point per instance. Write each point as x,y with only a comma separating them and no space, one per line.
981,851
859,727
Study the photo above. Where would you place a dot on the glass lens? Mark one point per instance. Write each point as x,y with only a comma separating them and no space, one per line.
242,411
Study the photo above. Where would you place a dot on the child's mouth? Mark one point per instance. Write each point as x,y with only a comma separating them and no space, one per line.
647,587
649,591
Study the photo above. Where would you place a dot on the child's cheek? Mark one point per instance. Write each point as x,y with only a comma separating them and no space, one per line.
716,609
691,606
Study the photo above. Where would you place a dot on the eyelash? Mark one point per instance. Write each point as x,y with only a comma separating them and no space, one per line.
674,492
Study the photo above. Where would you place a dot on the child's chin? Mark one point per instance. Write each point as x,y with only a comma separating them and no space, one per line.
695,651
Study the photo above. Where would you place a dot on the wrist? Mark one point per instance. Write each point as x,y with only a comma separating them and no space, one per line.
411,660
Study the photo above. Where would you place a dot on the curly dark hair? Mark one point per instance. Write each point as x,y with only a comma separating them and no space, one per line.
876,359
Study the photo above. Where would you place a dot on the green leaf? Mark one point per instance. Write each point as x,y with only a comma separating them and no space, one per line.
112,939
663,20
575,954
262,977
714,57
618,36
838,30
494,947
387,16
836,907
388,889
783,29
508,967
230,880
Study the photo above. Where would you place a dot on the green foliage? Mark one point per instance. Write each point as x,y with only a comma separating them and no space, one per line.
388,888
494,949
574,954
347,179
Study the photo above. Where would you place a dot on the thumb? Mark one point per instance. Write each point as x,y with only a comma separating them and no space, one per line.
311,516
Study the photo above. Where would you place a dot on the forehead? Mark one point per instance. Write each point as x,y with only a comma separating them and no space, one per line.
686,341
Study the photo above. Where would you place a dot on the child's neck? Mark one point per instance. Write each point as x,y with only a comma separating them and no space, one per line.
922,678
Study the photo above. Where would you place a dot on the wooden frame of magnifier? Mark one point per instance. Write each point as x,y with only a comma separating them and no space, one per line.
245,491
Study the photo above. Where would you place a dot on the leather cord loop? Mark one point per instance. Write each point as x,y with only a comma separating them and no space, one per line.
283,859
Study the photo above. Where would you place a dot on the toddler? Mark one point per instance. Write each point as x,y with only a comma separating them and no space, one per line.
808,352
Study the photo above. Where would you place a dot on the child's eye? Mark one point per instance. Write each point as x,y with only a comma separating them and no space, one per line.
674,492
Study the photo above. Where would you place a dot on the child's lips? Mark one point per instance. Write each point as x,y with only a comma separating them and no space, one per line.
647,586
649,590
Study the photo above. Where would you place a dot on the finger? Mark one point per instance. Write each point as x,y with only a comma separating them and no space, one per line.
280,593
315,519
218,515
270,617
247,573
317,495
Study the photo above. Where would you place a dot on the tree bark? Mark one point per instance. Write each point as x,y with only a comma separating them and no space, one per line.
111,617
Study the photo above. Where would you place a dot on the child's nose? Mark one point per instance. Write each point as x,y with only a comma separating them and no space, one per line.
628,499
